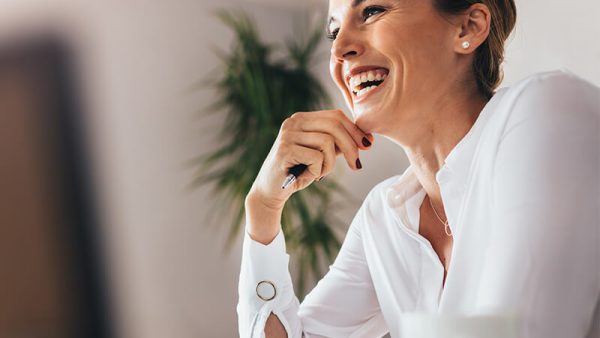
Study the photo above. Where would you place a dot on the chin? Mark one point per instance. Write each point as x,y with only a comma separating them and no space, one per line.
376,120
366,121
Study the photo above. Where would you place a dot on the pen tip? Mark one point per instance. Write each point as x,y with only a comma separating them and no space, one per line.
288,180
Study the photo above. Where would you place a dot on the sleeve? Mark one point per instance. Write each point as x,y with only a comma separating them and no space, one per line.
343,304
545,257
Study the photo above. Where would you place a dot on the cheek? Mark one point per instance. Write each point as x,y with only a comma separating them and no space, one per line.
388,34
408,43
392,42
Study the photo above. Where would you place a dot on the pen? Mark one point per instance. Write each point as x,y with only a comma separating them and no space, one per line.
293,173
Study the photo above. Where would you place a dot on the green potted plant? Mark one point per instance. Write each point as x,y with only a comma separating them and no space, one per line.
257,93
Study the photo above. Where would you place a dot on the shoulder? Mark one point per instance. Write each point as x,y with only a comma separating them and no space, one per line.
562,81
548,89
553,76
556,93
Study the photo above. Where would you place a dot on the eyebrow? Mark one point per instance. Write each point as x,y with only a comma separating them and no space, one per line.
355,3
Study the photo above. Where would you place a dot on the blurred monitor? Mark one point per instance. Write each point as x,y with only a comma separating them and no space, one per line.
51,280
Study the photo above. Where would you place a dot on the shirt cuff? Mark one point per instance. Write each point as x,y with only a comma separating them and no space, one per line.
264,273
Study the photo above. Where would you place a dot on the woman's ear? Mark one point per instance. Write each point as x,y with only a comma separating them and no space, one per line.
474,29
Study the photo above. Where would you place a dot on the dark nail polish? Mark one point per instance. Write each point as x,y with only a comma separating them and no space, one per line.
366,142
358,164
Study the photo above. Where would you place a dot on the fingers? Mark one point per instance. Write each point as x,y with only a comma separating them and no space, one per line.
348,138
312,158
322,142
313,139
361,139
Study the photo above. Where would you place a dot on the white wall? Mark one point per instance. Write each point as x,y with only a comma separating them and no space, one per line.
173,276
553,34
138,59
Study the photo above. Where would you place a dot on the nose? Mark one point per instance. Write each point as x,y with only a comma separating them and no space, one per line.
347,45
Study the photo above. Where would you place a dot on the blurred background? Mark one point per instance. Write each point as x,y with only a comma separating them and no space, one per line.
100,235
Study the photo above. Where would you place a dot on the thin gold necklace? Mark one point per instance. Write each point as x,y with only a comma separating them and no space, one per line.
447,229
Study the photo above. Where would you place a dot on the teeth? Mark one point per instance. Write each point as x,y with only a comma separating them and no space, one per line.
365,90
358,79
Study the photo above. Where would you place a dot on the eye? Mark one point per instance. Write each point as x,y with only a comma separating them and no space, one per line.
371,11
331,36
366,14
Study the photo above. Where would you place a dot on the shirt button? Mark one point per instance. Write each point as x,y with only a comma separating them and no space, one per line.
266,290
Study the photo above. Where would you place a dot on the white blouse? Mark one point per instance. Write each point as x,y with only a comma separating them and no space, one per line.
521,192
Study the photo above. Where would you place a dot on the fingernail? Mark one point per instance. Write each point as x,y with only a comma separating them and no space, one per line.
321,178
366,142
358,164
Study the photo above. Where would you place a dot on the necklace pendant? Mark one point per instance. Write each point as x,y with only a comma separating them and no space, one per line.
447,229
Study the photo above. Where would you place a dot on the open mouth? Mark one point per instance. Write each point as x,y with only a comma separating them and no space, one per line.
362,83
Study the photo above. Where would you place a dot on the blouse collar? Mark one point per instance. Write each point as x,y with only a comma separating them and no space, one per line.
452,176
458,161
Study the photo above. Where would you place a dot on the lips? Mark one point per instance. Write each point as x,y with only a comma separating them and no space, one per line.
361,80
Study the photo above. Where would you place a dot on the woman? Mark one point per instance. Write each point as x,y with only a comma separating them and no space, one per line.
497,213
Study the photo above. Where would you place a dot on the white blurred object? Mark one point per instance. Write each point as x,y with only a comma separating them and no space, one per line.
434,326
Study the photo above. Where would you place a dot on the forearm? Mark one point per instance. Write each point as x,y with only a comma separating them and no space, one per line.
274,328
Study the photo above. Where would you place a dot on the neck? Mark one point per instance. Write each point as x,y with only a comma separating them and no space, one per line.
437,130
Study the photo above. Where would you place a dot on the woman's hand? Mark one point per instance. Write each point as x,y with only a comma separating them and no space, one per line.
313,139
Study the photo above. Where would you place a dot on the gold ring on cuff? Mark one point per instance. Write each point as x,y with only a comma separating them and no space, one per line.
265,298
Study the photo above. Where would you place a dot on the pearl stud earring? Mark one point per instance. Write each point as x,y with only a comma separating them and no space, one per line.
466,45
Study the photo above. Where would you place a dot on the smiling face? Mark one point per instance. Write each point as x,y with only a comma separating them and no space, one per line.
391,57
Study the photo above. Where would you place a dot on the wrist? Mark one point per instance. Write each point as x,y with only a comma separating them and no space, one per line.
256,200
263,218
